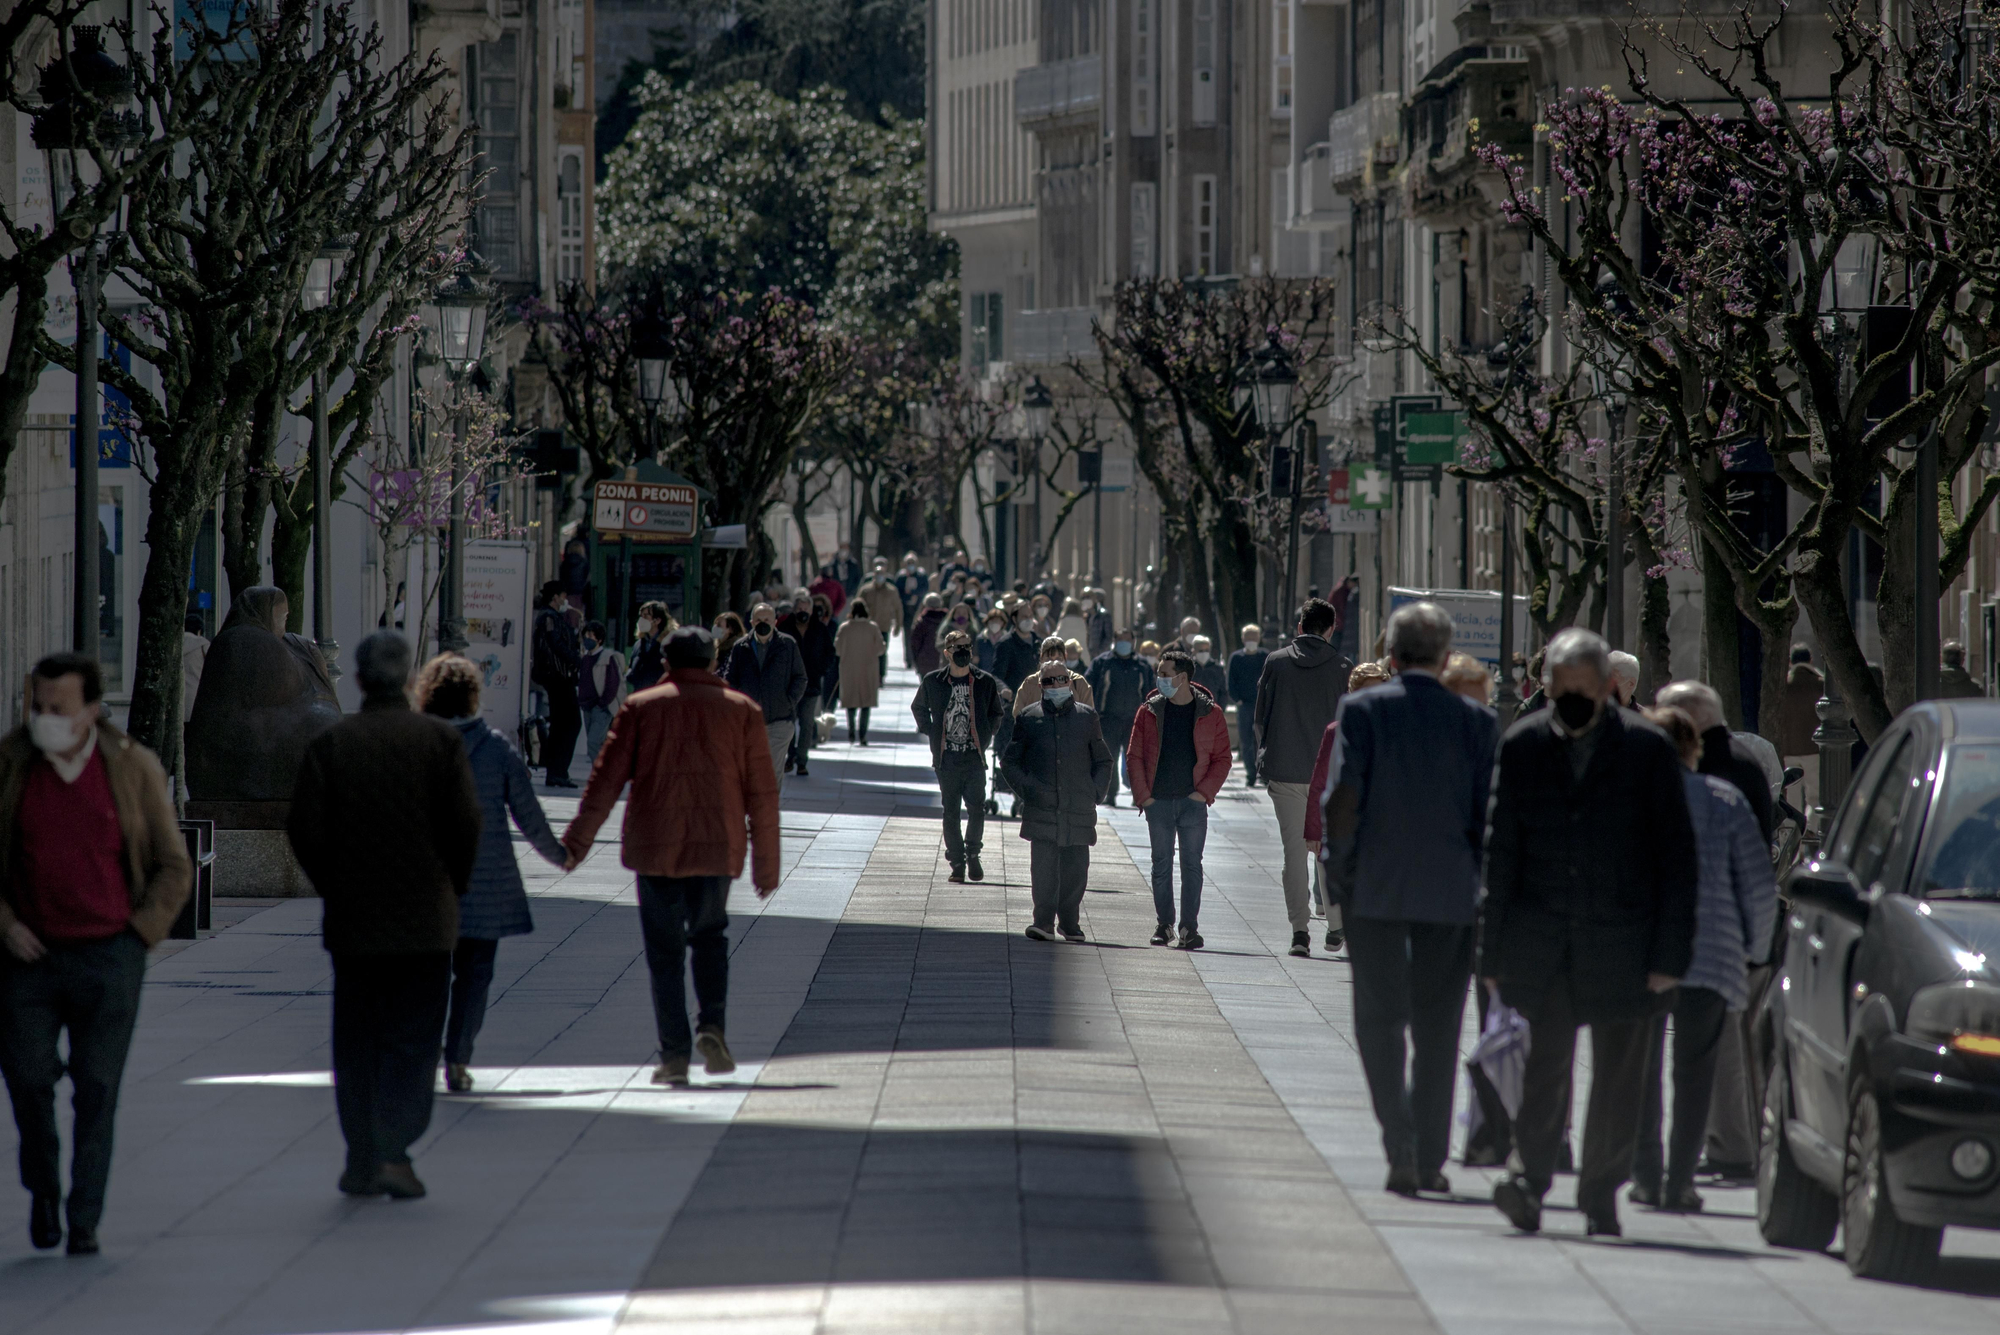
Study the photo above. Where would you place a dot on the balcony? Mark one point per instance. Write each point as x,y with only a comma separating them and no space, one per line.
1045,95
1316,205
1055,335
1476,97
1364,140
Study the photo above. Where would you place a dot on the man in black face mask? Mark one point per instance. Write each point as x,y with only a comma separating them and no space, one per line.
768,666
958,707
1588,919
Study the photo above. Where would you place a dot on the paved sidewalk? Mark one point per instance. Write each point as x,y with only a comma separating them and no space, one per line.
938,1125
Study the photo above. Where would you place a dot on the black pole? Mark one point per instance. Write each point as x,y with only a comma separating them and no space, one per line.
1507,700
1292,536
1927,566
85,633
322,563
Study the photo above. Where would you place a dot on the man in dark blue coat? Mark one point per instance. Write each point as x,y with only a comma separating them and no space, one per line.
1406,817
1057,762
1119,681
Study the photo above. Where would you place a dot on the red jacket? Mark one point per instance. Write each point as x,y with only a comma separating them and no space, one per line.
829,588
699,762
1316,790
1211,747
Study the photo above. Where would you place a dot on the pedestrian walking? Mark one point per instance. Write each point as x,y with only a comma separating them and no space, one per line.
1072,624
959,709
1246,667
1954,682
912,583
1723,754
1053,651
859,648
1346,603
553,669
1624,678
812,625
1178,760
1058,763
1736,907
1297,696
648,658
96,873
1097,613
1588,919
926,656
1405,825
766,666
846,569
1364,675
600,685
1210,675
885,608
829,587
1120,680
729,632
685,835
496,902
385,821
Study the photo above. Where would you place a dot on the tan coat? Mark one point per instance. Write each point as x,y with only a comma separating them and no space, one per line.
1030,691
885,607
860,645
157,871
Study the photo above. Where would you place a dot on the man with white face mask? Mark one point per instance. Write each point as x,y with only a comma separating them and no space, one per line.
96,873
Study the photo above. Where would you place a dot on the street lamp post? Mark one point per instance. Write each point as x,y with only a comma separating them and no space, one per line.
1038,406
457,314
1610,383
1271,387
322,273
83,94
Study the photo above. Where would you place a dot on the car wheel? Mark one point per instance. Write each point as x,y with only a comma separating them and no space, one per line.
1878,1244
1793,1210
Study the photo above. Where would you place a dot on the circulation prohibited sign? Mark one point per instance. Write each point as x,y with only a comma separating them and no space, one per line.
652,509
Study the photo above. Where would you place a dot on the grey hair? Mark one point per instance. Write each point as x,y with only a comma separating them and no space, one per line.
382,662
1624,666
1697,699
1576,646
1419,633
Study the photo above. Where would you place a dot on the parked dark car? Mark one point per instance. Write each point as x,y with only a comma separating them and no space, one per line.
1882,1105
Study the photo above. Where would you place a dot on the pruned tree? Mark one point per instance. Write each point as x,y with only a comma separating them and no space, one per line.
585,343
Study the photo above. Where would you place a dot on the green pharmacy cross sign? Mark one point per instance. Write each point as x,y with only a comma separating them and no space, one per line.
1433,438
1368,487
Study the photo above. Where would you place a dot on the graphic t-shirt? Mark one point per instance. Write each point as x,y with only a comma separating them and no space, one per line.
958,718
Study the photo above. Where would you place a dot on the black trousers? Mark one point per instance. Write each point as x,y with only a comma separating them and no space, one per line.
961,777
565,723
471,982
1057,874
90,988
1410,979
682,916
863,733
807,730
1117,733
1610,1125
388,1018
1699,1016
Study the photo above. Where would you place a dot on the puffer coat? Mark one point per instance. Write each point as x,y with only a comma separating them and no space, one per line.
496,902
1058,763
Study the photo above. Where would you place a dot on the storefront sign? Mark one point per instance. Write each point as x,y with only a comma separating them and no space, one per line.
649,509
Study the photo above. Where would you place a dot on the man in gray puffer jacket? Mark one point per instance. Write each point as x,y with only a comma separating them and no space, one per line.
1297,697
1057,762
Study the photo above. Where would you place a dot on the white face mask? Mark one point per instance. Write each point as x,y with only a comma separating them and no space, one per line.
1253,645
55,733
1202,656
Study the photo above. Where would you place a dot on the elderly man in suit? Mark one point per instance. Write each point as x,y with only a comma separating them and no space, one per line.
1589,918
1406,816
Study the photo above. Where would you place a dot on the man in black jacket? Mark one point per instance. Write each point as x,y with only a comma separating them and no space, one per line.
556,656
767,666
811,626
1058,762
1246,668
1014,661
1119,681
1297,696
1588,919
958,707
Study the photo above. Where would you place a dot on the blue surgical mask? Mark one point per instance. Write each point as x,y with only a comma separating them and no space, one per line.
1058,695
1122,648
1164,685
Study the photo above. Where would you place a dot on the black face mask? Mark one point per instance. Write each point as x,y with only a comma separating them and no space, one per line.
961,657
1575,711
762,629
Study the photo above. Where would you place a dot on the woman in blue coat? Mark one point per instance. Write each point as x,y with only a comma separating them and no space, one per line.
496,902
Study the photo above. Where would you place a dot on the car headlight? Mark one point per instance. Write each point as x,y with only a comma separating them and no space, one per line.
1963,1015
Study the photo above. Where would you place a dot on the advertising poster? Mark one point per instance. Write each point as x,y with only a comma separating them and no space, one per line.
1475,619
497,617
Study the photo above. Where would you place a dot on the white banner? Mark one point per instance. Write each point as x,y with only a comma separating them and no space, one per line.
1475,619
498,627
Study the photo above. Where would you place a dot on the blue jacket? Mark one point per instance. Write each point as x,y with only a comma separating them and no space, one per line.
1738,895
1245,668
496,903
1120,685
1419,759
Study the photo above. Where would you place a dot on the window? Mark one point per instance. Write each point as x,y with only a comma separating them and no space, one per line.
1877,830
1281,57
1291,252
495,97
1204,225
569,217
1143,59
1204,62
986,345
1145,195
1965,856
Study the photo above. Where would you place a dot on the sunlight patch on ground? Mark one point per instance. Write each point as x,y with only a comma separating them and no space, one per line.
619,1089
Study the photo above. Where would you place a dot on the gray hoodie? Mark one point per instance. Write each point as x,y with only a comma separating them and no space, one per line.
1297,697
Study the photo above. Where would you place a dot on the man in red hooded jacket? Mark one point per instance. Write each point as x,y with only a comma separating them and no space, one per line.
1176,762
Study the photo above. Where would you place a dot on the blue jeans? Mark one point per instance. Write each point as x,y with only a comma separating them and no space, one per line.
1166,819
596,723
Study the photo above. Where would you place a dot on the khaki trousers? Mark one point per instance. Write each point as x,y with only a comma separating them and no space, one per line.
1288,801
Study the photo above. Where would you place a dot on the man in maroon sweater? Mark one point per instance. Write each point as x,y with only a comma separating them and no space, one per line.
92,874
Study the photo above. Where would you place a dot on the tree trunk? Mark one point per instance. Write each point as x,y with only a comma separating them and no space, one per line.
245,498
1656,650
21,372
155,718
1817,577
1720,643
291,552
1895,596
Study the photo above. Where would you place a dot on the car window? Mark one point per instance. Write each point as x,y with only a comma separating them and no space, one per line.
1964,860
1853,812
1877,829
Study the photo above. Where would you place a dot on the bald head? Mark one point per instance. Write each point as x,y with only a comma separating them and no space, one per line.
1698,700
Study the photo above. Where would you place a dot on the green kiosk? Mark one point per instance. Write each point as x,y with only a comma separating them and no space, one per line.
645,546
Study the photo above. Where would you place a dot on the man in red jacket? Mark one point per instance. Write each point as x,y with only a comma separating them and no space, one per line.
699,762
1176,762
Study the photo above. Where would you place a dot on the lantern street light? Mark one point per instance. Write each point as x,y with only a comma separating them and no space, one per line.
323,273
84,93
656,387
1269,379
456,316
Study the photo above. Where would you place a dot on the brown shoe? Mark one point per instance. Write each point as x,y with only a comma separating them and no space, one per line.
715,1058
672,1071
458,1077
398,1182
